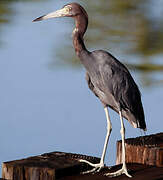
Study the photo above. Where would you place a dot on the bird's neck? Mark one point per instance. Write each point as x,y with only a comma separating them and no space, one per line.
81,23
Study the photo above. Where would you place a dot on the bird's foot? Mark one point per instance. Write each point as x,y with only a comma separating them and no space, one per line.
119,172
97,167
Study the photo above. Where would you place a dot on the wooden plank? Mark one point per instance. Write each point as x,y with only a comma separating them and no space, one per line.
65,166
144,149
49,166
138,172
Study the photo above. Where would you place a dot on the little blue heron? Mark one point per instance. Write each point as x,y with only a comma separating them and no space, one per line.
109,80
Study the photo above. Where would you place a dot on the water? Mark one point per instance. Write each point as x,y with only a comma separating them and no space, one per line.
45,104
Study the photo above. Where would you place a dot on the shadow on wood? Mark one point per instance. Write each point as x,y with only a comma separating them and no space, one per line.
138,172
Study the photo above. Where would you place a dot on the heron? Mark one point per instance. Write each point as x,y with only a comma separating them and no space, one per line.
108,79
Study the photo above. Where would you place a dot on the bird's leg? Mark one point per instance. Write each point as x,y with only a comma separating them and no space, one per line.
99,166
124,168
109,129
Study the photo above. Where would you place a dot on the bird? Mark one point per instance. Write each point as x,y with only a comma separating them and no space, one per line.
108,79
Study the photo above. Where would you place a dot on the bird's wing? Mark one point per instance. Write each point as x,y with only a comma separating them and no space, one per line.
107,73
125,91
90,84
116,82
119,83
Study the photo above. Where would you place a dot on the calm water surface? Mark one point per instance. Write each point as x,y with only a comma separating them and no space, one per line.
47,107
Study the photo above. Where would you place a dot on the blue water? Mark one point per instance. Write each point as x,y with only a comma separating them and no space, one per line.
44,109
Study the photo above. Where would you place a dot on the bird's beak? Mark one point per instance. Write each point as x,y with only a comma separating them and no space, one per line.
59,13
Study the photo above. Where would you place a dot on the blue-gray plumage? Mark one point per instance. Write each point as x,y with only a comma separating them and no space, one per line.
112,83
109,80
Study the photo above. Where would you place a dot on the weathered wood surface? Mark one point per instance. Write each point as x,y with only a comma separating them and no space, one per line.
144,150
49,166
65,166
138,172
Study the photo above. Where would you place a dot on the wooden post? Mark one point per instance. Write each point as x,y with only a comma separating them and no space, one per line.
144,150
65,166
49,166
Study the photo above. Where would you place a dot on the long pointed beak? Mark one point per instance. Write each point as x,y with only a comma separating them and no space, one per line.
59,13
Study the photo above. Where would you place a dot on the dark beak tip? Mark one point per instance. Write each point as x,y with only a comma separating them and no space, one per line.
38,19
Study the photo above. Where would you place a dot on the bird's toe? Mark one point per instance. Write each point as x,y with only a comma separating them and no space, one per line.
96,167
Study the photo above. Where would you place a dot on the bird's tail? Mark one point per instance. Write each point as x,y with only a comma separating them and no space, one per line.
137,119
140,118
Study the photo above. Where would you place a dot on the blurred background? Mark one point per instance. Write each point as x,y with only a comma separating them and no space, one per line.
45,104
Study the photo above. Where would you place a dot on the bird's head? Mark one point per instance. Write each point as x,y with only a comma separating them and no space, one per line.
69,10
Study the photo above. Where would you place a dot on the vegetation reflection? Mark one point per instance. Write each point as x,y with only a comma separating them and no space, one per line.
6,12
132,27
126,24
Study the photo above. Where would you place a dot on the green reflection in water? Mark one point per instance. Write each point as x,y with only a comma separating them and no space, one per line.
129,26
126,24
129,22
6,12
